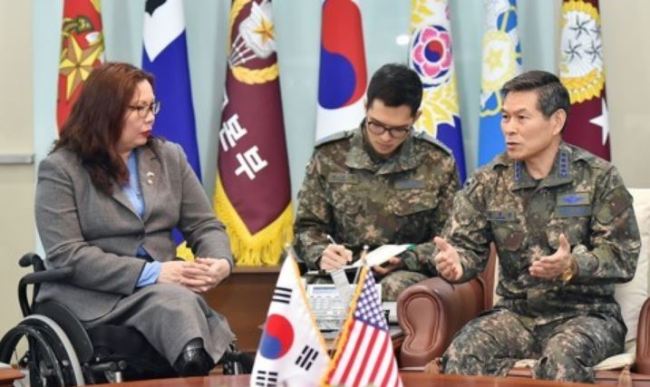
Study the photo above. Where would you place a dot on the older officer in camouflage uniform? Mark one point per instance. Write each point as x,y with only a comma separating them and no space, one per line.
376,185
565,231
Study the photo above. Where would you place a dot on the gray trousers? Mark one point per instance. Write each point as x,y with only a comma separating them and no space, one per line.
169,316
565,350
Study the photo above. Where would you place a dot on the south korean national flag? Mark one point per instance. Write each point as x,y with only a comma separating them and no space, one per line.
291,351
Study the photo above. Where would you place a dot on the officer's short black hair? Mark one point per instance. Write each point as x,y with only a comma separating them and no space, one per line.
551,93
396,85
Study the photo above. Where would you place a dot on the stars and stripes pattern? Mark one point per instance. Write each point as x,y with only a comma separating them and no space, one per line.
365,355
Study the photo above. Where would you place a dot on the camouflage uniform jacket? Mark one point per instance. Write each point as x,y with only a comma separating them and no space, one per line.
582,197
360,199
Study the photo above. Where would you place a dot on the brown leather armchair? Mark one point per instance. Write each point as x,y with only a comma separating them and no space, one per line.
432,311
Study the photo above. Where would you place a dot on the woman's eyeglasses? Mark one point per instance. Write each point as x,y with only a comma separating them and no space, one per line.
143,110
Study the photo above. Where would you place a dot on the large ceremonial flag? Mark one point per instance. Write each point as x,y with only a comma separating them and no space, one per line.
501,62
253,195
582,72
291,351
364,354
165,56
342,70
431,57
82,49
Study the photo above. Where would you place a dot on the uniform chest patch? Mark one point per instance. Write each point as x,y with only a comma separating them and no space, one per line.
343,178
501,216
409,184
573,205
574,199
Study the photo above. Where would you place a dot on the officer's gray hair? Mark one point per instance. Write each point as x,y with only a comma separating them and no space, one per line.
551,93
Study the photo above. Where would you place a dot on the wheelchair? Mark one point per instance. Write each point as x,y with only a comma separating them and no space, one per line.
62,352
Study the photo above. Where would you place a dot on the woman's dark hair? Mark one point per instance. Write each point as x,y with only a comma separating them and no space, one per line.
95,124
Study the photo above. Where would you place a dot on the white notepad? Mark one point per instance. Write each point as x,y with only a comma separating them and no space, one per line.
382,254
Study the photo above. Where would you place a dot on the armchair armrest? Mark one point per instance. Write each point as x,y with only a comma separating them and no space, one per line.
642,363
431,312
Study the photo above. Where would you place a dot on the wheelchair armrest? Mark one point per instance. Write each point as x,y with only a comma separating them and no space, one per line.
642,363
37,278
431,312
51,275
32,259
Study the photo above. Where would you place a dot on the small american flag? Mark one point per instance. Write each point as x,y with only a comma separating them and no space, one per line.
365,355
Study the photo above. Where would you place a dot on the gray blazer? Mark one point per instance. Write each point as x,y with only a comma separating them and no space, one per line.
98,234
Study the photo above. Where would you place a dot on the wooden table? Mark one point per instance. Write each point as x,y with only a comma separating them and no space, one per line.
409,379
244,299
422,379
8,375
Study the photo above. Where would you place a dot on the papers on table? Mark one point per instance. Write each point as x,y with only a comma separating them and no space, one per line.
382,254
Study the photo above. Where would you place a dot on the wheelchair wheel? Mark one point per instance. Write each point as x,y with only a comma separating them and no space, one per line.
50,358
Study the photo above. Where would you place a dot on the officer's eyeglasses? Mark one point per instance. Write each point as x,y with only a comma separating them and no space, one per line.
398,132
143,110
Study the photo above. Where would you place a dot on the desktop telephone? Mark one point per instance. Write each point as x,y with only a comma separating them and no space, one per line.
329,310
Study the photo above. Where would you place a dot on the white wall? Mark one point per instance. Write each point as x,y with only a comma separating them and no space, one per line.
627,58
16,137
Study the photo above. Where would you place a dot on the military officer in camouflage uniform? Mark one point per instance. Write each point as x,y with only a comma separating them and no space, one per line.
565,232
378,184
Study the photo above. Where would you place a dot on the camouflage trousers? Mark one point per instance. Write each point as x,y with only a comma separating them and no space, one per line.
565,350
391,285
394,283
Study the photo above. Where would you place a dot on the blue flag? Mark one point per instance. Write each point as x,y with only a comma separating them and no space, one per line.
430,55
501,62
165,56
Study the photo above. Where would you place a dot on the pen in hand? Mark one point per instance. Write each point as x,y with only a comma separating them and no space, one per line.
335,255
332,241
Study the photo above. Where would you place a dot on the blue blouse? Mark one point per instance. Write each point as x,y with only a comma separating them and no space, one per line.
133,191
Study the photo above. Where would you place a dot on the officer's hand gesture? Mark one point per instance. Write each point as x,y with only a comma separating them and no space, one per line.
554,265
447,260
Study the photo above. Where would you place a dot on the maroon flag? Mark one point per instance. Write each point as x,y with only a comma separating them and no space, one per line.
253,195
582,72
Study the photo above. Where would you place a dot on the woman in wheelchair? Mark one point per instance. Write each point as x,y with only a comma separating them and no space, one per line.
107,199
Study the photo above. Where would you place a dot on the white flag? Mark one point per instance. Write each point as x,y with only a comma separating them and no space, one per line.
291,350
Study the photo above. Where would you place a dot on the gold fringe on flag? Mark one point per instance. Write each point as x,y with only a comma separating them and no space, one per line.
184,252
265,248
